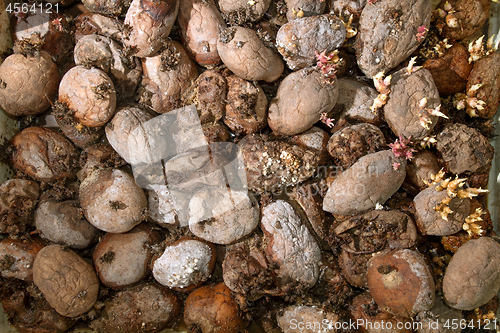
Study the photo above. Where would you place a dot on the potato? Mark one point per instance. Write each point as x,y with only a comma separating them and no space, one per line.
250,11
307,319
17,256
403,111
167,77
67,281
314,139
371,180
121,260
27,84
211,95
486,71
201,22
147,307
90,94
44,154
301,99
18,200
387,33
246,108
150,22
112,201
82,136
400,282
245,55
463,148
299,41
304,8
420,168
161,206
442,315
92,23
64,223
106,7
98,156
464,18
346,8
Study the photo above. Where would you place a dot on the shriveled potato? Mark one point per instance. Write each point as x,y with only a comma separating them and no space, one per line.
245,55
223,216
112,201
301,99
400,282
17,256
18,200
147,307
90,94
303,8
464,18
64,223
290,246
93,23
472,278
486,72
211,95
299,41
185,264
250,11
82,136
246,108
372,179
121,260
27,84
201,22
44,154
67,281
404,111
387,33
167,77
150,23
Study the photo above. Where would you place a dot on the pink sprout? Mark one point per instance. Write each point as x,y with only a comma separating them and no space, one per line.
325,64
402,148
396,165
327,121
371,2
421,32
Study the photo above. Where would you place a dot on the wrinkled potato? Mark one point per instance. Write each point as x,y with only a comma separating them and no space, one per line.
301,99
150,22
245,55
90,94
112,201
64,223
314,139
346,8
67,281
464,18
201,22
16,258
27,84
98,156
486,72
472,278
18,200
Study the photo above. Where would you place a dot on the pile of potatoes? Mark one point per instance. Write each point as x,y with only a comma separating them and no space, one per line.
362,130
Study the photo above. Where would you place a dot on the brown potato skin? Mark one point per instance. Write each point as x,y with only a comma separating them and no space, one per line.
471,15
486,71
211,96
68,282
27,84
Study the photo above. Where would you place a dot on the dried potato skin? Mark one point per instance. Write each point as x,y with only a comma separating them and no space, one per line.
387,33
27,84
472,278
92,23
486,71
68,282
471,15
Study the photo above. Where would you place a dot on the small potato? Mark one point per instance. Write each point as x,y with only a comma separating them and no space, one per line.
112,201
346,8
90,94
201,23
27,84
486,72
64,223
297,9
299,41
301,99
245,55
150,22
401,283
313,319
472,278
246,108
67,281
212,309
167,78
371,180
420,168
121,260
18,200
250,11
44,154
145,308
16,258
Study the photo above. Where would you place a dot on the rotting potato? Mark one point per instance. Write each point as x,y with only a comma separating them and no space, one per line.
82,136
17,256
200,23
18,200
27,84
150,22
245,55
314,319
121,260
387,33
303,96
148,307
368,182
67,281
90,94
472,278
211,92
250,11
112,201
400,282
299,41
297,9
405,111
463,18
167,77
64,223
44,154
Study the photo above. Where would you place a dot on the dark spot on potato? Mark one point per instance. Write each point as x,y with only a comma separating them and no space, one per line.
385,269
102,91
227,35
158,9
169,58
117,205
3,85
107,257
6,262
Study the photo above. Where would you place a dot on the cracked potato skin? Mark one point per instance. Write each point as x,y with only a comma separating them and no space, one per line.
68,282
